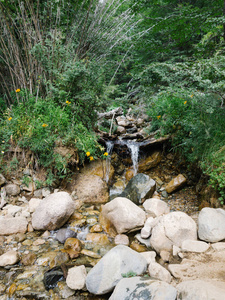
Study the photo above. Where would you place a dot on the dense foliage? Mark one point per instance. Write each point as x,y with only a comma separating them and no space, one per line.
71,58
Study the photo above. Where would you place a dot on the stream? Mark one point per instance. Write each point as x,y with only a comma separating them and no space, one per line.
42,251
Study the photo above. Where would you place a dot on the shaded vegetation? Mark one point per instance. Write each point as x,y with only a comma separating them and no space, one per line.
61,61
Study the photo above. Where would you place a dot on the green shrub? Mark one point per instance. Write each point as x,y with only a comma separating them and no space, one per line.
196,124
40,125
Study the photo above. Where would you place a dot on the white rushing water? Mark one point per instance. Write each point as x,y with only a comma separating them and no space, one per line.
134,150
109,149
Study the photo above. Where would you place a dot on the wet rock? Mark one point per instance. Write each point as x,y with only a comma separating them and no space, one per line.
53,212
121,239
91,189
96,228
98,238
194,246
73,247
59,259
157,271
90,253
104,276
12,189
28,259
9,258
64,233
64,291
2,179
45,258
143,288
98,168
20,237
107,225
76,277
12,225
52,277
155,207
172,229
138,247
138,188
211,224
129,174
124,214
149,162
200,290
176,183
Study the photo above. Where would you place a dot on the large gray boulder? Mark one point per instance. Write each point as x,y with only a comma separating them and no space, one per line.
140,187
91,189
10,225
211,224
124,214
144,289
173,229
201,290
53,212
119,261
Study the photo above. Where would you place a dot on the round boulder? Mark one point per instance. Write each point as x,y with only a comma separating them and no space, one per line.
53,212
211,224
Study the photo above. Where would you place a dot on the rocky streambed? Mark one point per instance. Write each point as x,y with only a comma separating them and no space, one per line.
76,244
130,227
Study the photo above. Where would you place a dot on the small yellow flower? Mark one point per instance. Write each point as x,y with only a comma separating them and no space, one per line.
91,158
185,102
158,117
88,153
3,152
68,102
3,141
10,118
18,90
106,154
44,125
192,96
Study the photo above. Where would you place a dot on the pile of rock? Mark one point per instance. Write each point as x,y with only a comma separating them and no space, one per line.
180,260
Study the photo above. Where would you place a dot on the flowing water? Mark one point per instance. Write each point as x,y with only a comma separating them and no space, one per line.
134,149
109,149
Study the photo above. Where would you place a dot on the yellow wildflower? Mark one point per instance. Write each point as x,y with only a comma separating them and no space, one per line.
88,153
10,118
68,102
91,158
185,102
18,90
44,125
192,96
106,154
158,117
3,152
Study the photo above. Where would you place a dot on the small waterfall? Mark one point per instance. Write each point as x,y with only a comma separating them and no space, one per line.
134,150
109,149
